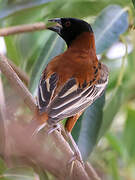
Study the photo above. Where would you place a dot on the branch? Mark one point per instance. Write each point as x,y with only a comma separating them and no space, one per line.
22,29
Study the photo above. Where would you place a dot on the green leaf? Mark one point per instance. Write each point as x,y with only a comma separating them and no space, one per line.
87,127
129,132
111,109
133,1
114,167
116,143
14,8
43,175
79,9
20,173
12,50
53,47
30,46
108,26
2,166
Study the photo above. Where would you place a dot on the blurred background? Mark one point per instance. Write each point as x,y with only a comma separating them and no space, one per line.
105,132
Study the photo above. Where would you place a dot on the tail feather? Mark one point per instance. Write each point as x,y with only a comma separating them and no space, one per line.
41,118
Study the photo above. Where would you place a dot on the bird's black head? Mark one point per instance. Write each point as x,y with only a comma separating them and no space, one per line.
70,28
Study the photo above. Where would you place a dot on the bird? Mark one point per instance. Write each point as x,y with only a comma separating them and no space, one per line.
71,81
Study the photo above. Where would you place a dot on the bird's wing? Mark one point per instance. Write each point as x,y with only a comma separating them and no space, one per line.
46,90
71,99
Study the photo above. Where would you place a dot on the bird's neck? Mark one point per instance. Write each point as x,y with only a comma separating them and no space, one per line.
84,42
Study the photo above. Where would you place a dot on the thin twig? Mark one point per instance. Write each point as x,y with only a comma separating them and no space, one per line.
22,29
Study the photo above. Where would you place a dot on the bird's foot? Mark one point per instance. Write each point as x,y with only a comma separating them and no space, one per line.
53,128
76,156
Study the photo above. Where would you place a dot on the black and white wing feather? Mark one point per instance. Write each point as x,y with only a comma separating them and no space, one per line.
46,90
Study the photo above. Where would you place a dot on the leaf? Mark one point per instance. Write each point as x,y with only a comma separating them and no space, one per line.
114,167
20,173
108,26
120,95
43,175
116,144
89,124
111,109
128,133
13,8
30,46
79,9
12,50
133,1
2,166
53,47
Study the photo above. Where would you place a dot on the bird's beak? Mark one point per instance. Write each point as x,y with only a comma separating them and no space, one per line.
57,28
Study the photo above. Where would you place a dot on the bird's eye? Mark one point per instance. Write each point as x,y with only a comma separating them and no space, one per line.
67,23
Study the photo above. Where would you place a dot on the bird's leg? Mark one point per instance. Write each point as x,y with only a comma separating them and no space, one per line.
68,126
77,154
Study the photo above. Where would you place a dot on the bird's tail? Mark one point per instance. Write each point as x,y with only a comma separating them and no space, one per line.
41,118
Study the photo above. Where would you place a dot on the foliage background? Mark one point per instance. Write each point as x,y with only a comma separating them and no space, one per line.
113,117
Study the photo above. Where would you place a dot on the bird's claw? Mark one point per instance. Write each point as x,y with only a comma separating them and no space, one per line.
76,156
53,128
